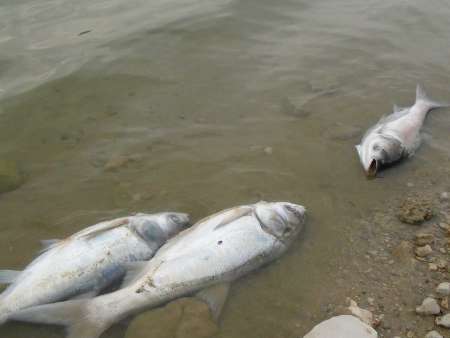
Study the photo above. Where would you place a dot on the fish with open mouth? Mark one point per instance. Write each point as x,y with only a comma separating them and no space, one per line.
395,136
200,261
88,261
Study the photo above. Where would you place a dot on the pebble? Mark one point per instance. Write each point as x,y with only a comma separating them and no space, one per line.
429,306
364,315
442,264
443,289
444,226
268,150
423,251
444,320
444,196
444,303
342,326
116,162
423,238
433,334
432,267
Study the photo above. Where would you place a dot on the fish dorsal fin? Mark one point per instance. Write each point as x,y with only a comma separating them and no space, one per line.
9,276
394,116
234,215
102,227
132,271
48,244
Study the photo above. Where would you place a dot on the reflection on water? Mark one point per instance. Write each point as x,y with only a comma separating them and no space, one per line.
200,105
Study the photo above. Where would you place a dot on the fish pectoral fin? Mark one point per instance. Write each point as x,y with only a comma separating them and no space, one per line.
86,295
9,276
234,215
48,244
215,297
96,230
132,271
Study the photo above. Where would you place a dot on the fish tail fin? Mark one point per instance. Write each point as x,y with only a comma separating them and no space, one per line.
75,315
421,96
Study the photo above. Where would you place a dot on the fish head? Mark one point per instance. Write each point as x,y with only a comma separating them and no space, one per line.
161,226
377,150
282,220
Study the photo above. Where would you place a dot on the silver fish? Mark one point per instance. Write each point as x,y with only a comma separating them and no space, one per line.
395,136
88,261
202,259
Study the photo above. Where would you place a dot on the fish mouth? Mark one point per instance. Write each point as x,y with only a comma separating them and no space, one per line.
373,168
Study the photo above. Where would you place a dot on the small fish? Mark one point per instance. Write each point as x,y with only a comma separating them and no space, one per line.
87,262
201,260
395,136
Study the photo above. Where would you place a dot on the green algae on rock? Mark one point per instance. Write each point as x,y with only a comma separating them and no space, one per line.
10,176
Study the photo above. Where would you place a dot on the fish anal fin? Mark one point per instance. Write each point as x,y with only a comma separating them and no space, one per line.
132,271
73,314
9,276
215,297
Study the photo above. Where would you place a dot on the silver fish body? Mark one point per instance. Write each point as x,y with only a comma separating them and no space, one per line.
218,249
89,260
395,136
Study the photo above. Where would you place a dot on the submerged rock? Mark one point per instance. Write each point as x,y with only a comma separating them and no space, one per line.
10,177
444,321
443,289
423,251
444,196
414,210
344,326
424,238
433,334
429,306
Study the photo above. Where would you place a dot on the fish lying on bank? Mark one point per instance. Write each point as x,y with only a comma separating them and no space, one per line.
395,136
88,261
201,260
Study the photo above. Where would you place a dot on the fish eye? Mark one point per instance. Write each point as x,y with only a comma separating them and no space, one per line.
175,218
376,147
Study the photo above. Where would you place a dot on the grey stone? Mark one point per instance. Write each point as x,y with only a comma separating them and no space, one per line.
429,306
443,289
444,321
344,326
433,334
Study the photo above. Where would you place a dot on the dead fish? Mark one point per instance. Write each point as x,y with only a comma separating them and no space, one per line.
395,136
88,261
201,260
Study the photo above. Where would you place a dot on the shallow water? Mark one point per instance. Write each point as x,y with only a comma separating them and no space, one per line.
218,103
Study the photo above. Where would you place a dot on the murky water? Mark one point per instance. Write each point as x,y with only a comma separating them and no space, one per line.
216,103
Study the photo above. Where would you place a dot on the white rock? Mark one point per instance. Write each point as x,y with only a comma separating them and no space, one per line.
429,307
444,320
443,289
344,326
433,334
444,196
365,315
